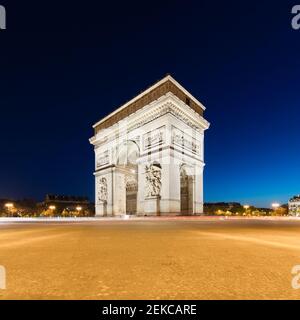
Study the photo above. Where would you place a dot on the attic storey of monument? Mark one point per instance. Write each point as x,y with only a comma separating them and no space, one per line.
149,154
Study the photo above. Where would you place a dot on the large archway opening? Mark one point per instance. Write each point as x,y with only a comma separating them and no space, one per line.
131,197
186,190
127,165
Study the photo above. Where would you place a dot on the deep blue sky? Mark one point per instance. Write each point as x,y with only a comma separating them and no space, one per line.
64,66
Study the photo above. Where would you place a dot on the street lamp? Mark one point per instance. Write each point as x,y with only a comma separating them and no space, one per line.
9,205
52,208
78,209
246,207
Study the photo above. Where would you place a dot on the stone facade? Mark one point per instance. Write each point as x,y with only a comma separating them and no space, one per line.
294,206
150,156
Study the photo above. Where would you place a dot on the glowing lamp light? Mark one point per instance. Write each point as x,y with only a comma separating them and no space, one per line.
52,207
275,205
78,208
9,205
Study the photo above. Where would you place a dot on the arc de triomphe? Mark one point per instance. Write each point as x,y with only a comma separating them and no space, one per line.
150,154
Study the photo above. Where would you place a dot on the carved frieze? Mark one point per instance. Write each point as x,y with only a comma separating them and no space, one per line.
154,138
161,111
156,113
131,185
184,140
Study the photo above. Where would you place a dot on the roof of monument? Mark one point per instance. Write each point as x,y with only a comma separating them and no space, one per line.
160,88
295,199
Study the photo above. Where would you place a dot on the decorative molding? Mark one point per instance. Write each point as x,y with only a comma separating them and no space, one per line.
136,121
167,107
154,138
103,159
185,141
131,184
166,85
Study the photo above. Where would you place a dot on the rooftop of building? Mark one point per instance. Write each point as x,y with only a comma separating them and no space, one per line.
161,87
295,198
65,198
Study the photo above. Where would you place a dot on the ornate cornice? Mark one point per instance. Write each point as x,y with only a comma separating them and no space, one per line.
151,113
166,85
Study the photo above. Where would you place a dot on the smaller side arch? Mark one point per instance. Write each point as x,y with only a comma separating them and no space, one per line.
187,192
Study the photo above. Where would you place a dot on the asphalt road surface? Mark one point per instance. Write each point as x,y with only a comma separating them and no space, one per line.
152,259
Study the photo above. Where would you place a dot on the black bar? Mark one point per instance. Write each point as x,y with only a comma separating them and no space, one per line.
146,309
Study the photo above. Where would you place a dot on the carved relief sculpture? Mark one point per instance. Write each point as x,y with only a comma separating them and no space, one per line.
102,190
153,180
154,138
184,140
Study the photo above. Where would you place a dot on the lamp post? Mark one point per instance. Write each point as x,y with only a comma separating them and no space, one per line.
246,207
9,207
78,209
275,206
52,209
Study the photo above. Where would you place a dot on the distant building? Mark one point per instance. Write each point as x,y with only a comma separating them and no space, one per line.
212,208
59,203
294,206
17,208
53,205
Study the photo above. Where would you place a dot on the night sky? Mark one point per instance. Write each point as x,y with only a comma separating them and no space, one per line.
65,66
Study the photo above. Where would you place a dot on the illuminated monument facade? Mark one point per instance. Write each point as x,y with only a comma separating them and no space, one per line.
150,154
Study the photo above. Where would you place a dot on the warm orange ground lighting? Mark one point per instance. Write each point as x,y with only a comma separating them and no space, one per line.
216,258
